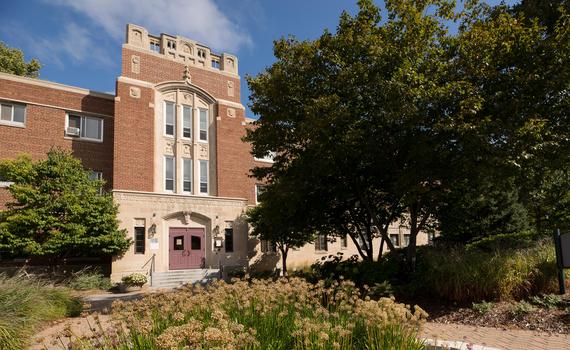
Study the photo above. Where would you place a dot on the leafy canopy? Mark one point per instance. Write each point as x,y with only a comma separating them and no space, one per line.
57,210
12,61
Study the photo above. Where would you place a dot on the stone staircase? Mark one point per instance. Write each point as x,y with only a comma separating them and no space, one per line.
178,278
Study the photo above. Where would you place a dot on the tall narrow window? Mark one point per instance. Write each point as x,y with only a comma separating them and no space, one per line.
96,176
229,240
187,122
187,175
204,176
258,192
203,124
139,240
321,243
344,242
395,238
169,173
169,118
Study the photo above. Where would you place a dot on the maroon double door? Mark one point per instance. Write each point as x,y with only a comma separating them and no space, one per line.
186,248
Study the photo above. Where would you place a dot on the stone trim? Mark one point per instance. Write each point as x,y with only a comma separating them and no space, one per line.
57,86
168,197
137,82
230,103
55,107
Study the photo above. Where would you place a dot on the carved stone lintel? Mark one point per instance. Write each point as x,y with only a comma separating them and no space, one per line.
187,150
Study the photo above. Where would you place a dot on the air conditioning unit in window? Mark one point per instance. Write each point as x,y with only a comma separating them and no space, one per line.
72,131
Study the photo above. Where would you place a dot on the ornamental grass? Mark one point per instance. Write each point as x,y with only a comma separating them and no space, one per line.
261,314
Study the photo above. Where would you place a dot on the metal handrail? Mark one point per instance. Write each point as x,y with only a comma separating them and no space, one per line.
151,268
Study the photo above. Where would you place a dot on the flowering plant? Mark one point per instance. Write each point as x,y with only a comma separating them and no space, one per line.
134,279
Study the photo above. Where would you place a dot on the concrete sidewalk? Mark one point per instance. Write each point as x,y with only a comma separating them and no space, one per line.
498,338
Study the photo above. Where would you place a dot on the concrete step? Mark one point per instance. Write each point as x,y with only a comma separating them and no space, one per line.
177,278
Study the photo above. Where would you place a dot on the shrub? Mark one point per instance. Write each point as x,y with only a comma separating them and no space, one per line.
466,275
134,279
89,279
262,314
548,301
25,303
522,308
482,307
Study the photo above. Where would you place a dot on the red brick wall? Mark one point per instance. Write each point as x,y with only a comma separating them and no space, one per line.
45,126
134,140
4,198
156,70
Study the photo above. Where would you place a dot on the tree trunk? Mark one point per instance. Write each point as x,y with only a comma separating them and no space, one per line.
411,249
381,249
284,252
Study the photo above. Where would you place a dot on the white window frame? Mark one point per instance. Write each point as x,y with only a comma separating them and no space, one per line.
173,119
11,122
201,161
173,174
184,175
191,120
257,186
81,123
98,176
319,244
200,124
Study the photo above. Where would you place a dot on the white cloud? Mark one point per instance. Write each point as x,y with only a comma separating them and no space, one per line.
200,20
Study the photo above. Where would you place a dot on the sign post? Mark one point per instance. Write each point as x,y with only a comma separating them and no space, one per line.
562,247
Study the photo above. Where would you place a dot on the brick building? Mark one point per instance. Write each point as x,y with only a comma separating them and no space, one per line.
168,144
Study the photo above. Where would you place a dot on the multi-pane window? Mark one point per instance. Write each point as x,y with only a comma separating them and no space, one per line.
187,175
187,122
169,118
258,192
96,176
90,128
268,247
203,124
321,243
13,113
139,240
229,240
395,238
216,64
406,240
204,176
169,173
154,45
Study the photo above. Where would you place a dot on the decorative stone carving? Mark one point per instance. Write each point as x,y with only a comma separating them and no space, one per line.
187,77
135,64
230,88
169,147
230,63
135,92
136,36
186,150
231,112
203,151
187,98
187,215
170,97
187,48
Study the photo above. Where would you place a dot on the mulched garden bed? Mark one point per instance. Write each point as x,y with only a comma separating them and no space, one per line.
508,315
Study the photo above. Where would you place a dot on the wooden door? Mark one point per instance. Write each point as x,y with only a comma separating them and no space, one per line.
186,248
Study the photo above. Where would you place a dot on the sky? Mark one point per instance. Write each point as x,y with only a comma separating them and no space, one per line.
79,42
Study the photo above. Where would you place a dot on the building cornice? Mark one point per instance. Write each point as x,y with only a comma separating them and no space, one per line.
175,196
57,86
10,99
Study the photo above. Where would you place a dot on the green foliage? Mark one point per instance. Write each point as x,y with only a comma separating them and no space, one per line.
27,304
522,308
134,279
500,241
482,307
12,61
457,274
57,210
547,301
89,279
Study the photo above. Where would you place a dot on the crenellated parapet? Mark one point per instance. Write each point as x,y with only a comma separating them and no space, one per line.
181,49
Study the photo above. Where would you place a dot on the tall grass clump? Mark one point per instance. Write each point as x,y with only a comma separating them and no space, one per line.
467,275
26,303
261,314
87,279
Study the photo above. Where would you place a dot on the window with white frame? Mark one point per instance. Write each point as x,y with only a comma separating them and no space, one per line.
12,114
169,173
203,176
154,45
203,124
258,192
84,127
169,118
96,176
187,122
321,243
268,247
187,175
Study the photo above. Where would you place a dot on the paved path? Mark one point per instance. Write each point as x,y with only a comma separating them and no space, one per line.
497,338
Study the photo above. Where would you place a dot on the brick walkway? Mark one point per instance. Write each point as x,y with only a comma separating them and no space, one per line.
504,339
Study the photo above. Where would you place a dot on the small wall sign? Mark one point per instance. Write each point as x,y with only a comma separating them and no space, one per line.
154,244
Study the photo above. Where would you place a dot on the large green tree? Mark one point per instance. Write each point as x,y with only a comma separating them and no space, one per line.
57,210
12,61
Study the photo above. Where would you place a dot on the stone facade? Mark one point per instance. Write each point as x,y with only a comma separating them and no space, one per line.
169,148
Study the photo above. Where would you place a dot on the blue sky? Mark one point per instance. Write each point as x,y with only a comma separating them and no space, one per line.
79,41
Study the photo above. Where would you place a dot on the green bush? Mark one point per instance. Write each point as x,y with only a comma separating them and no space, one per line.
134,279
522,308
89,279
467,275
482,307
25,303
